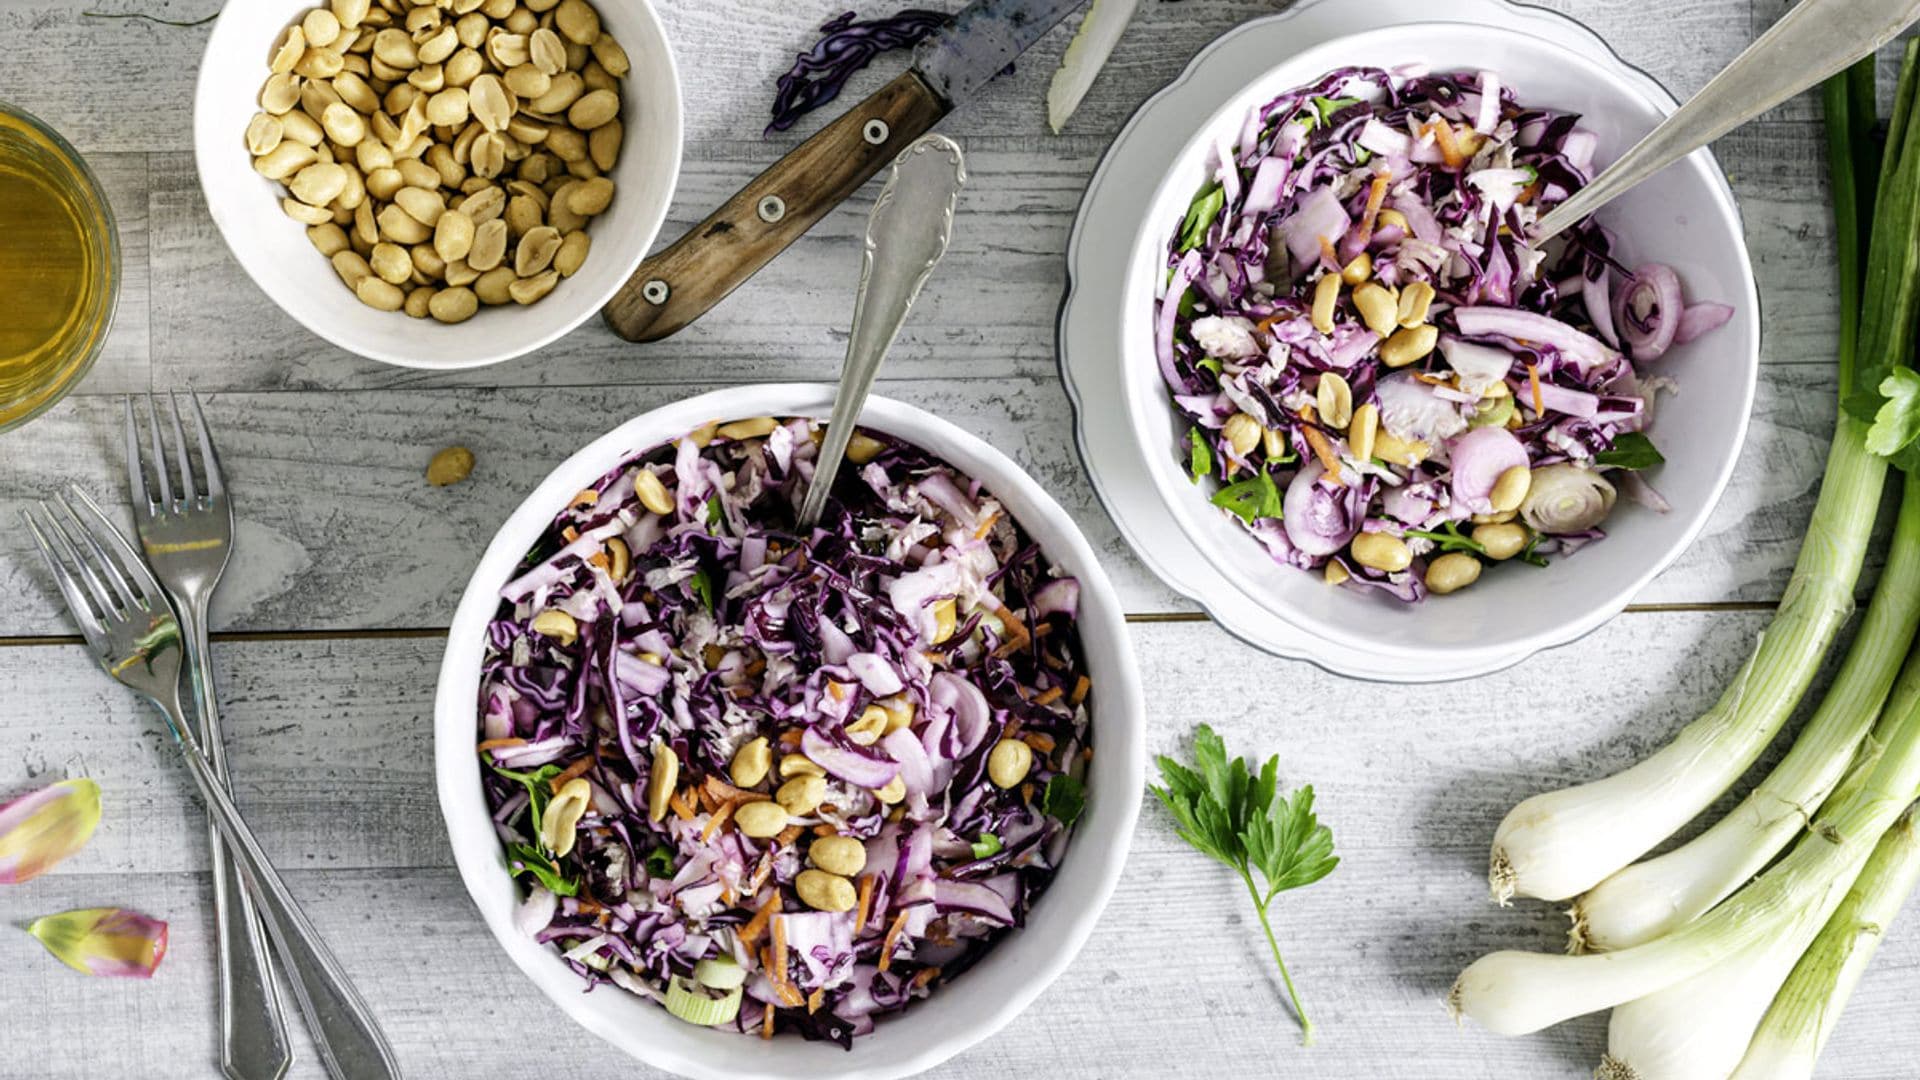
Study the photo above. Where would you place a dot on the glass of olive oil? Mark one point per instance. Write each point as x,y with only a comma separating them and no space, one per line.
59,267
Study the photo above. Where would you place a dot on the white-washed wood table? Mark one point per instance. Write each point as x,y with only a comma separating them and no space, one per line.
349,564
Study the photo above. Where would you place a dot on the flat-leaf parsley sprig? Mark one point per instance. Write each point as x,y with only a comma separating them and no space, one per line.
1227,811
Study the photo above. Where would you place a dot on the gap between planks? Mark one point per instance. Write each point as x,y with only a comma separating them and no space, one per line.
403,633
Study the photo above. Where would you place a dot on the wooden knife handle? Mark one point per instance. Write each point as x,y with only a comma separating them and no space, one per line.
680,284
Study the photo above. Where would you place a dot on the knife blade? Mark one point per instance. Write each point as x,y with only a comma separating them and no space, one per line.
684,281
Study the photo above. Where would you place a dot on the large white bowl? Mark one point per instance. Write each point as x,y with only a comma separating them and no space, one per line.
975,1005
1685,217
275,252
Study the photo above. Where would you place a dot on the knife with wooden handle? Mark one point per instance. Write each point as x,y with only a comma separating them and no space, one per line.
683,282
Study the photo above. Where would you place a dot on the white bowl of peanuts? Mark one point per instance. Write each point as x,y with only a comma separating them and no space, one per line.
439,185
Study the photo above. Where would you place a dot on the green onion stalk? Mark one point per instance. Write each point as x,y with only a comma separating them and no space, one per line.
1795,1030
1653,897
1514,993
1560,844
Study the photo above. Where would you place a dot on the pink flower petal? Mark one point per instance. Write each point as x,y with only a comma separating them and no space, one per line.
43,827
108,942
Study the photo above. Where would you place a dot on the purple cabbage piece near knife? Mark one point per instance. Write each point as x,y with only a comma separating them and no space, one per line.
819,74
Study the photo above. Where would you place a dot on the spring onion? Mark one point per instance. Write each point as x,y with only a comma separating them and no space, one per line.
1513,993
686,1001
1086,54
1653,897
1803,1015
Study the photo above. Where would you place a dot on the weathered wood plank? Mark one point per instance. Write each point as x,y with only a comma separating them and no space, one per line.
340,532
331,747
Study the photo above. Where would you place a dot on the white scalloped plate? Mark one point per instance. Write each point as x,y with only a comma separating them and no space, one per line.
1089,345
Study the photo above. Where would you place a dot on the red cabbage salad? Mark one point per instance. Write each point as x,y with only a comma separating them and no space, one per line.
780,780
1385,380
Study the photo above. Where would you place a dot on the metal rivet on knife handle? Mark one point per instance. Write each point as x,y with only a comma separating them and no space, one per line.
655,292
876,132
772,209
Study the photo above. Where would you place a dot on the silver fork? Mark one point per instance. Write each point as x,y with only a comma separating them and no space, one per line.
132,631
187,536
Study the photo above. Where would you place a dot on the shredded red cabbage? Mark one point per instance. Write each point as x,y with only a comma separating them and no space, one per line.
1412,183
819,74
717,623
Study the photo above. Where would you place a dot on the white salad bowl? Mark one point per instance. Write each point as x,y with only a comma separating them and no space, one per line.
958,1015
274,250
1685,217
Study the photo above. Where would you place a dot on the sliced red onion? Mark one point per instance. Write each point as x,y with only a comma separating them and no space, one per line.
1489,112
1479,366
1578,148
916,769
972,716
874,673
1647,311
1320,215
1319,519
1598,301
536,912
973,898
846,762
1525,326
1701,319
1479,459
1061,596
1571,402
1169,315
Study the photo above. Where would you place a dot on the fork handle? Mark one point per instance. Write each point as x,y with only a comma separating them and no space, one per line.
253,1026
350,1043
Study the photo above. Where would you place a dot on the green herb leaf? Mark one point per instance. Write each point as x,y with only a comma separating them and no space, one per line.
1251,499
1630,450
1449,538
1200,456
1210,364
1064,799
660,862
702,585
1529,556
987,846
715,515
1205,207
534,861
1227,811
1325,107
539,785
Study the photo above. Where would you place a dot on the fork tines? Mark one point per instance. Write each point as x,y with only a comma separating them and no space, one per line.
103,579
191,492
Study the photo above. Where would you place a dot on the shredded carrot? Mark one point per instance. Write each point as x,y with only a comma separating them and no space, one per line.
766,1023
1012,730
814,999
893,936
729,897
759,921
715,822
703,800
1080,690
758,665
866,902
1322,449
1041,742
1266,325
682,809
925,976
837,690
779,965
1376,196
1328,253
570,534
761,871
790,738
585,498
571,771
500,744
599,559
986,526
1049,696
1533,377
1443,137
824,829
1528,193
789,834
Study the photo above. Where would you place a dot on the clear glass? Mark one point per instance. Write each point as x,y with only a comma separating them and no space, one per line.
59,267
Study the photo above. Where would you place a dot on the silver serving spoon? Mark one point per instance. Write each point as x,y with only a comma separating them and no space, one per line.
908,232
1812,41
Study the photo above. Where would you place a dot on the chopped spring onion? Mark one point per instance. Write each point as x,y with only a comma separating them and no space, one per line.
685,1001
720,973
1653,897
1099,32
1796,1028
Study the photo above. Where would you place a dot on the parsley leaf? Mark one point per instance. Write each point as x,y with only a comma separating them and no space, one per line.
1630,450
1064,799
660,862
1206,206
533,861
1896,427
701,584
987,846
715,515
1449,538
539,787
1250,500
1325,108
1529,555
1200,457
1227,811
